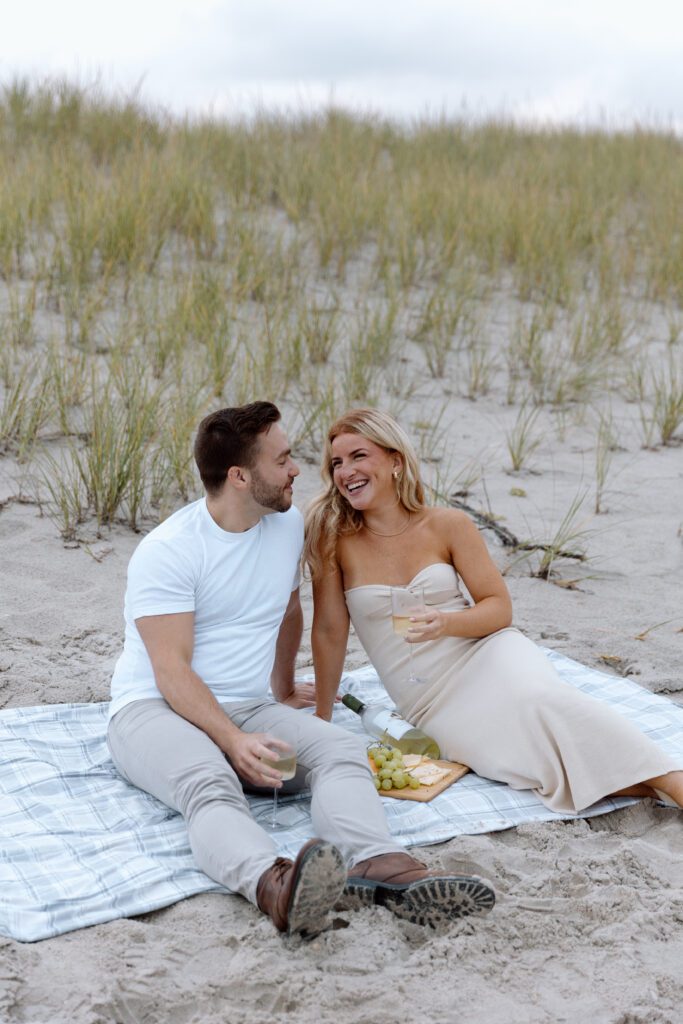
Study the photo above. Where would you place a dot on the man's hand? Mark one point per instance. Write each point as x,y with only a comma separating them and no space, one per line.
246,751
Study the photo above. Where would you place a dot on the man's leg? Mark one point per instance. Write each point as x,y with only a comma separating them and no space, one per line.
169,757
346,810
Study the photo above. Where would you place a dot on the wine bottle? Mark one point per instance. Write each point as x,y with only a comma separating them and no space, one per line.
391,729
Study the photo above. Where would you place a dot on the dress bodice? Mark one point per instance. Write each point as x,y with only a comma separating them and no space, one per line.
439,582
370,610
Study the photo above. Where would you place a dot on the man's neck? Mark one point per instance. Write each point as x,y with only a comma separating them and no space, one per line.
231,516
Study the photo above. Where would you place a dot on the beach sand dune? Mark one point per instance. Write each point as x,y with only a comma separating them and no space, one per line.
514,297
589,920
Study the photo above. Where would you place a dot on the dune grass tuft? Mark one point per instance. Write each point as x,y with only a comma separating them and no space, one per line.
152,268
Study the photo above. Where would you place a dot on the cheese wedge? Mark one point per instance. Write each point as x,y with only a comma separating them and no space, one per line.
429,774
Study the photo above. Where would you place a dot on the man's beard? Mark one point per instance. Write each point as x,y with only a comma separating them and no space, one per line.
268,495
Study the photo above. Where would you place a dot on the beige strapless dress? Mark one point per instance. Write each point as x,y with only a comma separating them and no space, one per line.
499,706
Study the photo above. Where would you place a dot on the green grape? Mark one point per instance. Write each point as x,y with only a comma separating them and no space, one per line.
385,773
386,784
399,779
413,782
375,779
374,751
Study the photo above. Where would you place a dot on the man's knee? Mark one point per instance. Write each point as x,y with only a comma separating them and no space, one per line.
203,785
345,746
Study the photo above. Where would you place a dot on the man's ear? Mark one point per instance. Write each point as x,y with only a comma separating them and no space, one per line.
238,477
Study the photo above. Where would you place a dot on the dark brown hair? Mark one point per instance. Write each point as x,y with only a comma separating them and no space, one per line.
228,438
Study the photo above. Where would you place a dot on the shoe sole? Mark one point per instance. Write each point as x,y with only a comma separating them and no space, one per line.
432,902
319,883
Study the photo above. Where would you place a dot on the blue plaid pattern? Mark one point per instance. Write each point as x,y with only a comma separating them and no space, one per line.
80,846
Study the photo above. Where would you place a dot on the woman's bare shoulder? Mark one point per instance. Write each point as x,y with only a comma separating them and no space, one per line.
344,546
446,519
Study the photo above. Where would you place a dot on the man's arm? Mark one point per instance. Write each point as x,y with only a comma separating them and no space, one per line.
300,695
169,640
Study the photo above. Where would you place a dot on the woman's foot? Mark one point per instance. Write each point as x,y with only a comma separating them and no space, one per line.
668,788
666,800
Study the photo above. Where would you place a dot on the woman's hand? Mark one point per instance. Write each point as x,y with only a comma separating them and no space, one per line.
431,625
302,696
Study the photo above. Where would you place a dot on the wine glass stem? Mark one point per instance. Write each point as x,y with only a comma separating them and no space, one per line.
412,678
274,819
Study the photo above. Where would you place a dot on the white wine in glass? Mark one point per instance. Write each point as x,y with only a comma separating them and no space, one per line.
407,601
284,761
400,624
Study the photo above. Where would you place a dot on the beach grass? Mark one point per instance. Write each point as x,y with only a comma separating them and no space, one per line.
152,268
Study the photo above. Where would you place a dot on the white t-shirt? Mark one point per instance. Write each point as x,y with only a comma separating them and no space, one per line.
237,584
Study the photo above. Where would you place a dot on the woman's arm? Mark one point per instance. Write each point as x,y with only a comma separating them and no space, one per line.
492,608
287,647
329,636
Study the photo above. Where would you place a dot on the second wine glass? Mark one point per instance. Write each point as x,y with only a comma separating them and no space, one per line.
284,761
407,601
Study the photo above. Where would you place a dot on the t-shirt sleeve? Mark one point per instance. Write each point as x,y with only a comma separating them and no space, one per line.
160,581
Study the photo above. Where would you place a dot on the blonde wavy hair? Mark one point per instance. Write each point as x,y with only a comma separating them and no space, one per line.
329,515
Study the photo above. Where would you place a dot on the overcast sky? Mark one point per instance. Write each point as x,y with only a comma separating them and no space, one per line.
549,60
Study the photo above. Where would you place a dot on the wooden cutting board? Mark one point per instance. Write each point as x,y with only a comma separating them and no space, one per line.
426,793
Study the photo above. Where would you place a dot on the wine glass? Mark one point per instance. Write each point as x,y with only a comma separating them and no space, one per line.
407,601
283,759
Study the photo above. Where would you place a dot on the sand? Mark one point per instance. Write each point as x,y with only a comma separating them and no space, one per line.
589,920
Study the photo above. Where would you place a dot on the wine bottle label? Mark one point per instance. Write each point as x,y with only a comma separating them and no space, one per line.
391,723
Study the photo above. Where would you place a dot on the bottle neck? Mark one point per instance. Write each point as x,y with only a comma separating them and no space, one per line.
351,702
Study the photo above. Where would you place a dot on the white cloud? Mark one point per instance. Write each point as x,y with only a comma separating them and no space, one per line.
532,57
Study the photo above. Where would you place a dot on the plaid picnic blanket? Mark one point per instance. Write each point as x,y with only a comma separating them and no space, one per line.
79,846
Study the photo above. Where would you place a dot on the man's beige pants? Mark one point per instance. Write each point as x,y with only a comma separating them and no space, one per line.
167,756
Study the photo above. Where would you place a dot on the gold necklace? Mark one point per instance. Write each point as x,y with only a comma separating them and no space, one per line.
402,530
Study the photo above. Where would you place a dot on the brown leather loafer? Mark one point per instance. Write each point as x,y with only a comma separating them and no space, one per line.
297,895
404,886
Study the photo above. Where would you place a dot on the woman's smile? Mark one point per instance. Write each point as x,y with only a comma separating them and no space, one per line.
351,452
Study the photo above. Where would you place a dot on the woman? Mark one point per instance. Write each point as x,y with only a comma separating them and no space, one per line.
488,695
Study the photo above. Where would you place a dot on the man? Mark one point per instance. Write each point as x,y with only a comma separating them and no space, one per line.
212,617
